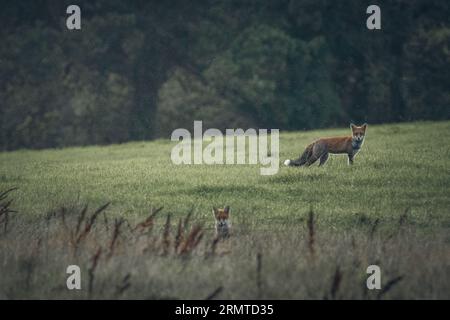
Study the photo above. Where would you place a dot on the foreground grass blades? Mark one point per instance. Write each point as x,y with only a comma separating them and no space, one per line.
145,260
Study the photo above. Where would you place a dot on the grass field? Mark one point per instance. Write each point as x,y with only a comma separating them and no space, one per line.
392,208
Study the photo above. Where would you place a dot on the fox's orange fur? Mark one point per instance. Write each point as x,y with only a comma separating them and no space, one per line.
223,224
320,149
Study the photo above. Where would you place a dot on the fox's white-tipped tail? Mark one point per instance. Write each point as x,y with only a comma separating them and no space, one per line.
287,162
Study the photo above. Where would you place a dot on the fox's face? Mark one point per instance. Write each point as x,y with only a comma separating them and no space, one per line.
358,133
223,224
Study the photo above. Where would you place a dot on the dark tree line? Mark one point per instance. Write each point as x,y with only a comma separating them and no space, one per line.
137,70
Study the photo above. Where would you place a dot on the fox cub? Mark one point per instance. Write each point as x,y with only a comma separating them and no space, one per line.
223,224
320,149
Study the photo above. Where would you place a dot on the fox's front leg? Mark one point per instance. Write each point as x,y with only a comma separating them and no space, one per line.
350,158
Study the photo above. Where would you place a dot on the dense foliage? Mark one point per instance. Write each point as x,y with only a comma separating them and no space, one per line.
137,70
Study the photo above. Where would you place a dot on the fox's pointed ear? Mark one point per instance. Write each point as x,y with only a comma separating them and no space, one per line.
364,126
352,126
227,210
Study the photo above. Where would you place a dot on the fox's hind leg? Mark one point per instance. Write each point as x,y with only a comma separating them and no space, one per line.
323,159
317,152
311,160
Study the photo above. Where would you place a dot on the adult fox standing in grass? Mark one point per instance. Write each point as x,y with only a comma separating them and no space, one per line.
320,149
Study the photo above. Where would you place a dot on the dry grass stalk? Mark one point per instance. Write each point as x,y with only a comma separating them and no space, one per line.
192,240
120,289
147,223
4,194
88,225
81,218
214,294
311,232
179,237
91,272
166,236
105,221
116,233
335,285
187,219
5,209
389,285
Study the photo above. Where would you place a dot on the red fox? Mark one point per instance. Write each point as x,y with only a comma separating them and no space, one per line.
320,149
223,224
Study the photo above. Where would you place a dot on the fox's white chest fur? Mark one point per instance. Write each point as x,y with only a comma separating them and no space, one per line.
223,228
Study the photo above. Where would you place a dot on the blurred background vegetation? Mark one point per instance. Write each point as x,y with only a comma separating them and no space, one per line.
139,69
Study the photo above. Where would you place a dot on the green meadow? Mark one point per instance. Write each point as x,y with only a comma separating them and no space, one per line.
401,167
303,233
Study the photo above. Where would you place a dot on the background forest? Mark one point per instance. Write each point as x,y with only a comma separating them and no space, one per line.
139,69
